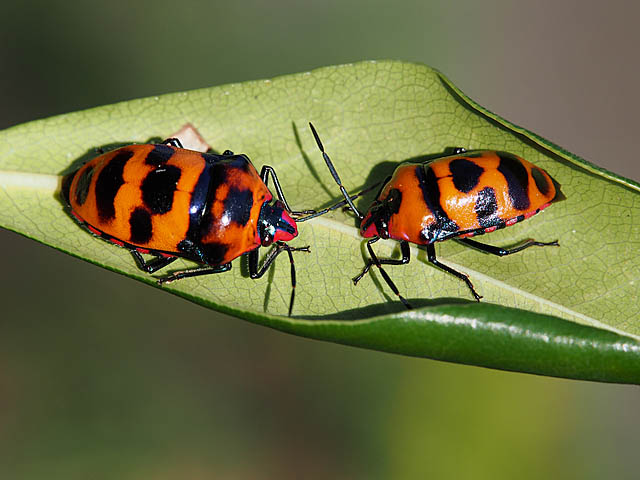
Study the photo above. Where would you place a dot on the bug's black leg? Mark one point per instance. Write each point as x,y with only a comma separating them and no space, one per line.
173,142
194,272
152,265
431,254
501,252
278,248
264,175
406,255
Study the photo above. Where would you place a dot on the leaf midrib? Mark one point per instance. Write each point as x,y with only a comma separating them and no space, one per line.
42,181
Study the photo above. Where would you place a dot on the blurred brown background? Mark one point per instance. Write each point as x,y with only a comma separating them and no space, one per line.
102,377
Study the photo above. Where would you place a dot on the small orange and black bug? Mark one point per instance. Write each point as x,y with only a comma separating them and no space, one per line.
170,202
458,196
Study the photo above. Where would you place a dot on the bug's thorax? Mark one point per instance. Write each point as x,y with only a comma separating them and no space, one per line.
275,224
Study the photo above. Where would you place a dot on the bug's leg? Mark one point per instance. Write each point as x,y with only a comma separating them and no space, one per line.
256,271
194,272
152,265
264,175
278,248
406,256
501,252
173,142
431,254
374,260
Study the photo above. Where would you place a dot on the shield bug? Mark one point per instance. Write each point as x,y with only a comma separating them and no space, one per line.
170,202
458,196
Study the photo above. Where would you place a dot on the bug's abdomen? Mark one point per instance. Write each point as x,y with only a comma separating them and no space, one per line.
140,194
465,195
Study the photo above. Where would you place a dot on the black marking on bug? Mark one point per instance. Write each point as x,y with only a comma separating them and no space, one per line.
83,184
465,174
443,226
141,228
240,162
486,207
202,225
211,158
237,205
541,181
200,200
158,188
517,177
219,173
213,253
159,155
109,182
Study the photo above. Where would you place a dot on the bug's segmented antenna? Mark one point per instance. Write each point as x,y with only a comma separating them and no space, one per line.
334,173
313,214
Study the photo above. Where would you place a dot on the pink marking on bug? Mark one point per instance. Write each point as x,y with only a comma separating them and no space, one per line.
510,222
491,229
95,231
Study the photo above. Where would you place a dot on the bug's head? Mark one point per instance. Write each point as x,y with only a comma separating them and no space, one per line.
275,224
376,222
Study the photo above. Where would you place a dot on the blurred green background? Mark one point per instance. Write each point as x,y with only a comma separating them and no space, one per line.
102,377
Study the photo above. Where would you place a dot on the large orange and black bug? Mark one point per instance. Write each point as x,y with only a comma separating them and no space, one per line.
458,196
163,200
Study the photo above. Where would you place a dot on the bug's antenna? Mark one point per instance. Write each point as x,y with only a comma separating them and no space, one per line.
335,175
342,203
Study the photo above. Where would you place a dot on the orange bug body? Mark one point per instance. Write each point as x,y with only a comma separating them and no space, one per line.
172,202
458,196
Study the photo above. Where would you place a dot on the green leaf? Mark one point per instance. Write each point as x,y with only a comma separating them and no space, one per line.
570,311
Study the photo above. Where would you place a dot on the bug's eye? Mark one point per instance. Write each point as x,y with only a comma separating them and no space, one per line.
394,198
268,234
